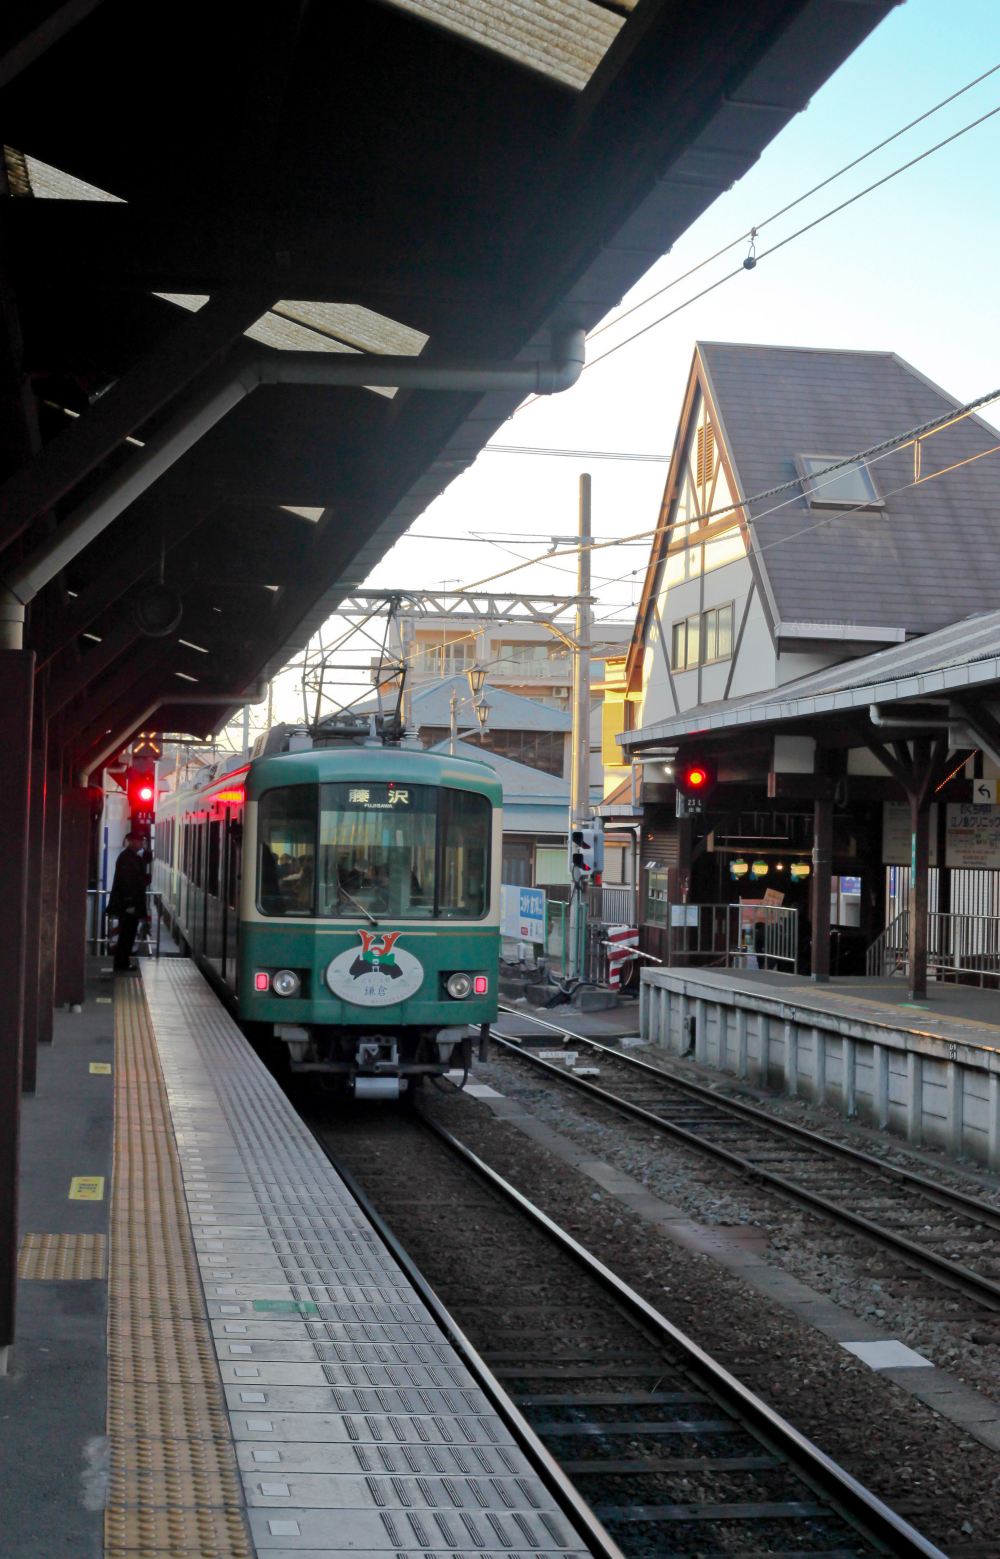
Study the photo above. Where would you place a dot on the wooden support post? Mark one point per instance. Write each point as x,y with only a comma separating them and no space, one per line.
17,672
822,871
48,888
71,934
920,840
32,917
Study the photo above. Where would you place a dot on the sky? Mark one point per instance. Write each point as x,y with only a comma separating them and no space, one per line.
910,268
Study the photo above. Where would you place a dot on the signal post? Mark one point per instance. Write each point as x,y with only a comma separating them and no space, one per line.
579,794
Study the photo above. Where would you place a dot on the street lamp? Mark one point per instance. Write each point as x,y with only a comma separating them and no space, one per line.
477,679
482,714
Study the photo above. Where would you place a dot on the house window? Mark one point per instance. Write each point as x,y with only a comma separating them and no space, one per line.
702,638
851,486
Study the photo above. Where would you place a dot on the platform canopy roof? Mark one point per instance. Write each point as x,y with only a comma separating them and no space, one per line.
950,676
194,192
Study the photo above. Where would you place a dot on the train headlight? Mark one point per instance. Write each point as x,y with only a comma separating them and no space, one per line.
286,983
458,985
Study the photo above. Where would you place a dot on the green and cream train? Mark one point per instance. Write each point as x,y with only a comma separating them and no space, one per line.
345,899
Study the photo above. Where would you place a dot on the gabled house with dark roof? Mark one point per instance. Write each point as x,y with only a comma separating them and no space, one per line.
779,553
737,599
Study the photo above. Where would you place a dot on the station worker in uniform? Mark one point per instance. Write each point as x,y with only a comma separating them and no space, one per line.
127,901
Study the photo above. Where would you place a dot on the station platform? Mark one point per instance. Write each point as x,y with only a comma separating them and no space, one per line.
217,1356
928,1071
965,1014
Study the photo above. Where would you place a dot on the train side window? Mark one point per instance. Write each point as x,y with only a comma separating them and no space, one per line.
286,850
463,876
214,844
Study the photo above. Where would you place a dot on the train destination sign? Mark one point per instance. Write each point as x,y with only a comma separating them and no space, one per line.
378,798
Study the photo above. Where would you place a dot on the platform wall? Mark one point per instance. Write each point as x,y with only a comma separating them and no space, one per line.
929,1090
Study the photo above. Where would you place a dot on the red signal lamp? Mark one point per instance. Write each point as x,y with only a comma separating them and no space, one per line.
480,985
262,980
695,777
145,793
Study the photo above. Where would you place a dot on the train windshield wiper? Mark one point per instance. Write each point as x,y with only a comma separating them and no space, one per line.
369,917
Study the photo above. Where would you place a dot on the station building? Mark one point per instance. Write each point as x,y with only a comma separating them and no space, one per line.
817,626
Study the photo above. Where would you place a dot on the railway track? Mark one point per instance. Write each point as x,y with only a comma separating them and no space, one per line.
931,1227
672,1453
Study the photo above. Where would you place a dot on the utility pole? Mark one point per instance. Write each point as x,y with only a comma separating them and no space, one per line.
579,793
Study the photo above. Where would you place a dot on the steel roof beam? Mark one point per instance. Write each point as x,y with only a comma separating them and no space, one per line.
87,721
212,403
324,259
166,518
72,682
163,374
33,43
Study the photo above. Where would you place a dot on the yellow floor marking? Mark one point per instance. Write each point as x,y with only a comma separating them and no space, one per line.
101,1068
103,1001
175,1490
86,1188
887,1009
62,1256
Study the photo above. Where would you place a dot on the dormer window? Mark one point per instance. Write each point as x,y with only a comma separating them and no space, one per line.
850,486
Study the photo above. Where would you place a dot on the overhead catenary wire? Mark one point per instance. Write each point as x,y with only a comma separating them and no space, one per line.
865,457
792,485
790,205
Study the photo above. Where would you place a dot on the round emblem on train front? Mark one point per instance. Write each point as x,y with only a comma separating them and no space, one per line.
379,973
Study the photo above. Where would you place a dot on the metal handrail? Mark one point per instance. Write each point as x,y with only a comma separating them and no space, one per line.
888,946
97,924
957,945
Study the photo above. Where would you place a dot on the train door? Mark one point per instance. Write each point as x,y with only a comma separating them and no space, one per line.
232,855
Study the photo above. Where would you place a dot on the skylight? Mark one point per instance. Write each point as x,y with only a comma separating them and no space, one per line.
563,39
851,485
293,325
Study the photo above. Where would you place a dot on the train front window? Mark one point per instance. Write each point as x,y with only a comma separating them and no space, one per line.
377,842
386,851
465,855
286,850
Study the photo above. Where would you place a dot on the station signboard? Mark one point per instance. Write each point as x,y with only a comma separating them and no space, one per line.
972,834
522,913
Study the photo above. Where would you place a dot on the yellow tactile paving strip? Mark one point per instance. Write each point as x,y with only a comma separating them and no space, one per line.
62,1256
175,1490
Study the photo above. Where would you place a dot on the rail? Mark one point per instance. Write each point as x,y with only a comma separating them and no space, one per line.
869,1514
600,1544
966,1280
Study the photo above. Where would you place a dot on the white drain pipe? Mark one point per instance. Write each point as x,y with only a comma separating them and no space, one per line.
33,573
257,695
